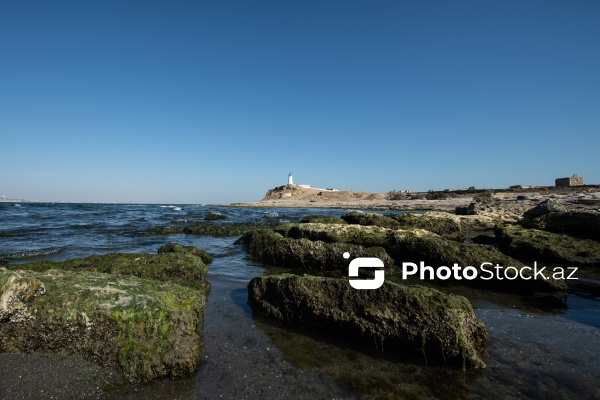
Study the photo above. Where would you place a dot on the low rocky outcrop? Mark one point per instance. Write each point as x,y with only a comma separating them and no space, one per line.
206,229
144,328
505,210
582,224
322,219
535,244
178,248
182,268
447,225
416,245
396,319
545,207
275,249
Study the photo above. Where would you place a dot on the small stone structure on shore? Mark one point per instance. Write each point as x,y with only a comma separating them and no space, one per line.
575,180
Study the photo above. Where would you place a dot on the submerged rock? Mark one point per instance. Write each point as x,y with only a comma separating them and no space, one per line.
534,244
394,318
273,248
144,328
178,248
213,216
207,229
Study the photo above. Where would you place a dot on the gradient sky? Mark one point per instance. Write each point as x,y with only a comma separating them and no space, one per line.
216,101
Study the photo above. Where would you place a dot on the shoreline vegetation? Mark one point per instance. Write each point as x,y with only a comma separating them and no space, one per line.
138,313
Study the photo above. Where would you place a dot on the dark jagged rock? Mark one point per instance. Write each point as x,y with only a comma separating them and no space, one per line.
273,248
394,318
534,244
545,207
577,223
178,248
213,216
144,328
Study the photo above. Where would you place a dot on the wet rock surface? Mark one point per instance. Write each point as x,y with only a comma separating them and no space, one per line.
273,248
419,245
535,244
414,319
138,314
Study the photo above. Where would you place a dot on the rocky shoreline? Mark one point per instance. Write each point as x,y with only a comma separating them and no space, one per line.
141,315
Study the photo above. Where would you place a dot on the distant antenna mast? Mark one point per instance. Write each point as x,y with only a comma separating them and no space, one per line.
290,179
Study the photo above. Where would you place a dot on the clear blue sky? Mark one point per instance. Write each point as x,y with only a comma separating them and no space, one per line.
216,101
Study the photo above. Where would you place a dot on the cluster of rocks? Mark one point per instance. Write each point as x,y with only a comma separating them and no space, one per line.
412,318
139,314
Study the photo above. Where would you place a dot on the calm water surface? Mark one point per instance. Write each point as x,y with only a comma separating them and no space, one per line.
537,349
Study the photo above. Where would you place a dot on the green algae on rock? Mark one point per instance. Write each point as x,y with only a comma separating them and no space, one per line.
213,216
584,225
322,219
416,245
273,248
207,229
535,244
184,268
447,225
395,318
144,328
178,248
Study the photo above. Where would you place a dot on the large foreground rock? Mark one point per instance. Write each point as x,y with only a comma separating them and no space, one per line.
142,327
394,318
538,245
138,313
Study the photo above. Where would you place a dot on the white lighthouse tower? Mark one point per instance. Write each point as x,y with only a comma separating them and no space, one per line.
290,179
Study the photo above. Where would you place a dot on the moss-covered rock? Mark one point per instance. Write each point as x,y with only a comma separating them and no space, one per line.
374,219
178,248
362,235
213,216
581,224
142,327
207,229
394,318
322,219
182,268
444,224
534,244
436,251
273,248
416,245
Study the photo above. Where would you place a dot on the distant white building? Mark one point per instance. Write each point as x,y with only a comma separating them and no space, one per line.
304,186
